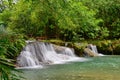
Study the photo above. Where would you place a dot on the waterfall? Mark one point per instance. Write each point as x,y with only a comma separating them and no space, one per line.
94,49
39,53
69,52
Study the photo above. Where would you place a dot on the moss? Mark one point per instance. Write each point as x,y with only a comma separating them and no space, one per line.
107,47
79,48
57,42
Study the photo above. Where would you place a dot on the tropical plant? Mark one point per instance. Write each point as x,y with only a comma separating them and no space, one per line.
7,70
10,47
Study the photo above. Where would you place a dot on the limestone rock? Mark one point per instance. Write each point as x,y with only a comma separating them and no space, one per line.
90,53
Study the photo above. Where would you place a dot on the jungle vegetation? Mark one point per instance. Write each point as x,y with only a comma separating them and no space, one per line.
67,20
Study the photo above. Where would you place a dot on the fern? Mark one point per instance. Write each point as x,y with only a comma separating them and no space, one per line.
6,70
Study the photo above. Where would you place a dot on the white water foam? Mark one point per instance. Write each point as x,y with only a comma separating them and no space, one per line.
94,49
37,54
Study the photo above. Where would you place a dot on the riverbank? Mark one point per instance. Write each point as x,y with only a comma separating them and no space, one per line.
107,47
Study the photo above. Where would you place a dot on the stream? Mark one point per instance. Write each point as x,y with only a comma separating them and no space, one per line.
95,68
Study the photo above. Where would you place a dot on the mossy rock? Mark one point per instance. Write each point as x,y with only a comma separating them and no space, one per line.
108,47
57,42
79,48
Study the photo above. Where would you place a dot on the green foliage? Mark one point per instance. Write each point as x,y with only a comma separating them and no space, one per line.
108,11
6,70
69,20
108,47
79,48
10,47
82,22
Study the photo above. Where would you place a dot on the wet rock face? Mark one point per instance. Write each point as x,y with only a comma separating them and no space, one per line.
58,49
92,51
64,50
89,52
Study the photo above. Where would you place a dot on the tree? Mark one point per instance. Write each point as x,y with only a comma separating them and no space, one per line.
53,18
108,11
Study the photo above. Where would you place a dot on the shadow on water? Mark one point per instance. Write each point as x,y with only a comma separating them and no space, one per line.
98,68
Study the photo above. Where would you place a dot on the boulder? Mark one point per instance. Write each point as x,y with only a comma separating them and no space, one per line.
90,53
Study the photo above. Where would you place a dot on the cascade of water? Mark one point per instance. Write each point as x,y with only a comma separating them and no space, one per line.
94,49
36,53
27,59
69,52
